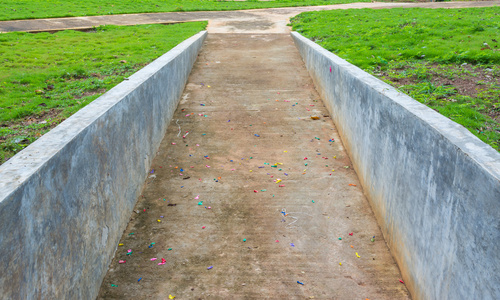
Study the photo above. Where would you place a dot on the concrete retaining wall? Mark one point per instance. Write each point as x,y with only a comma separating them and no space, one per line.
434,187
66,199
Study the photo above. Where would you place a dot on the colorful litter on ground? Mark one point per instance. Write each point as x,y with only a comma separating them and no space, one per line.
233,215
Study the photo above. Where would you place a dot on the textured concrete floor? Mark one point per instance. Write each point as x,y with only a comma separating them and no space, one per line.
214,200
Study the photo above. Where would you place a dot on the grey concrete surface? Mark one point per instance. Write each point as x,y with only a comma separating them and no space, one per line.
434,187
242,85
66,199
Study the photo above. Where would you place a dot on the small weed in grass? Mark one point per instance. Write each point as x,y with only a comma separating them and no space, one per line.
448,59
44,78
36,9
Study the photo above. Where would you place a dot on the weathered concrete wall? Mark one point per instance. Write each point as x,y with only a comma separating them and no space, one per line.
66,199
434,187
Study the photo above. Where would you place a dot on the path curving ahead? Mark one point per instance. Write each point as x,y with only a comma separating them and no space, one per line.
271,20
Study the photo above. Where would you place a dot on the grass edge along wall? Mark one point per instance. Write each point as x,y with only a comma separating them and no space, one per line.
433,186
66,199
448,59
45,78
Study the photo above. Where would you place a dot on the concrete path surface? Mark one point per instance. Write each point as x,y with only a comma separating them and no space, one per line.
272,20
249,197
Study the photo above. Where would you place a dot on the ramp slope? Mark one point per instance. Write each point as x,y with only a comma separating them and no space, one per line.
212,199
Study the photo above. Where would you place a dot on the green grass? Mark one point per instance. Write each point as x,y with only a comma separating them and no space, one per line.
44,78
36,9
448,59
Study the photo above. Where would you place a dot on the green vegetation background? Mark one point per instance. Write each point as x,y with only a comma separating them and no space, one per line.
36,9
426,53
44,78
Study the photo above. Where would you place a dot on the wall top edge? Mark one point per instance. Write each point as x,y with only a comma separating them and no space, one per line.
25,163
463,139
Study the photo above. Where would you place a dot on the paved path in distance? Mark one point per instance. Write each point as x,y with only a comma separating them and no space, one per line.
271,20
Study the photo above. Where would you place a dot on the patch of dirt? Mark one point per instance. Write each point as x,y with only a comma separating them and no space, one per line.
495,113
467,85
21,133
38,118
30,120
97,75
90,93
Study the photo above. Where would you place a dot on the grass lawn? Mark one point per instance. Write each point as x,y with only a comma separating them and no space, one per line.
448,59
36,9
44,78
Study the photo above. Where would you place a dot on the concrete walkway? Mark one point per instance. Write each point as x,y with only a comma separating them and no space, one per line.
258,201
272,20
